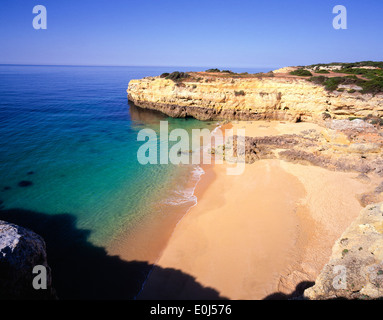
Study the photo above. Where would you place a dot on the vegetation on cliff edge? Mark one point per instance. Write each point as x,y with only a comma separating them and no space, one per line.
175,76
373,86
301,73
366,74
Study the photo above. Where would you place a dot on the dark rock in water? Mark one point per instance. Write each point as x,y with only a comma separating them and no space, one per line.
20,251
30,172
25,183
6,188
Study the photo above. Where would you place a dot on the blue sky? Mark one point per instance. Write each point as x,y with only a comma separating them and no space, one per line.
215,33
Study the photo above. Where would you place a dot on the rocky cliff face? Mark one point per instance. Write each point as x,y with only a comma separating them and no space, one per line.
20,251
280,97
355,269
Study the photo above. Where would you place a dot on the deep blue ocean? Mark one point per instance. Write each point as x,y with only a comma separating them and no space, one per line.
69,145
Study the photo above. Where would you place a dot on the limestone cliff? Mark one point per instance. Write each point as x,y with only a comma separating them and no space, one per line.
341,145
278,96
355,269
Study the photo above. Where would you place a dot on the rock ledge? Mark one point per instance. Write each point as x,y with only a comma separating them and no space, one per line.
355,269
20,251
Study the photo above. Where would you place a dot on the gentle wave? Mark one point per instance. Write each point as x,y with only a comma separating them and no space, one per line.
186,194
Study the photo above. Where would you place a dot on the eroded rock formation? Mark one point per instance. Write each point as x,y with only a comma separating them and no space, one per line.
342,145
206,96
355,269
20,251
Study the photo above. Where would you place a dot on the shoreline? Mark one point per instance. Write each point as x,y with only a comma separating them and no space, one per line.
145,243
202,185
295,263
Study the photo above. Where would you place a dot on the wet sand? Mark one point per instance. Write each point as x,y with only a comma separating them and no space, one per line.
150,235
259,233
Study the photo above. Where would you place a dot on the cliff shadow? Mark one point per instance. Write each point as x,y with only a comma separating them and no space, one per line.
297,294
81,270
145,115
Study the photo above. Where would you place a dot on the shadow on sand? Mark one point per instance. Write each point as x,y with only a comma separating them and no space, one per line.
81,270
297,294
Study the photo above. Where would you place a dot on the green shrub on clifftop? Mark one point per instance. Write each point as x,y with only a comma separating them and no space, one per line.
332,84
318,79
373,86
301,73
176,76
322,71
213,70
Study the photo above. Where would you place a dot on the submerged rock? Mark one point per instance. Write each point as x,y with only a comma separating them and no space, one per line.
355,269
20,251
25,183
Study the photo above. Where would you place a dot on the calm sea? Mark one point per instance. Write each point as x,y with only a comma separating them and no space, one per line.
68,148
70,133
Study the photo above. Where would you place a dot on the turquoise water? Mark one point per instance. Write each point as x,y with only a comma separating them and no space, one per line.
69,171
71,133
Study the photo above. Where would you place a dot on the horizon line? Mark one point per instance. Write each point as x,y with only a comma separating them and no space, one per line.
277,66
146,66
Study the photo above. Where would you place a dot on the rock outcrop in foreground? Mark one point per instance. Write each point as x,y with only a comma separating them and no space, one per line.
20,251
279,96
355,269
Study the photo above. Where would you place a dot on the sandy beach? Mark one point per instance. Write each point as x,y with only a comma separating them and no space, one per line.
261,233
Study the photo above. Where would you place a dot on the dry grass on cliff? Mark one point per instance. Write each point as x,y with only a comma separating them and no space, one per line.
203,76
